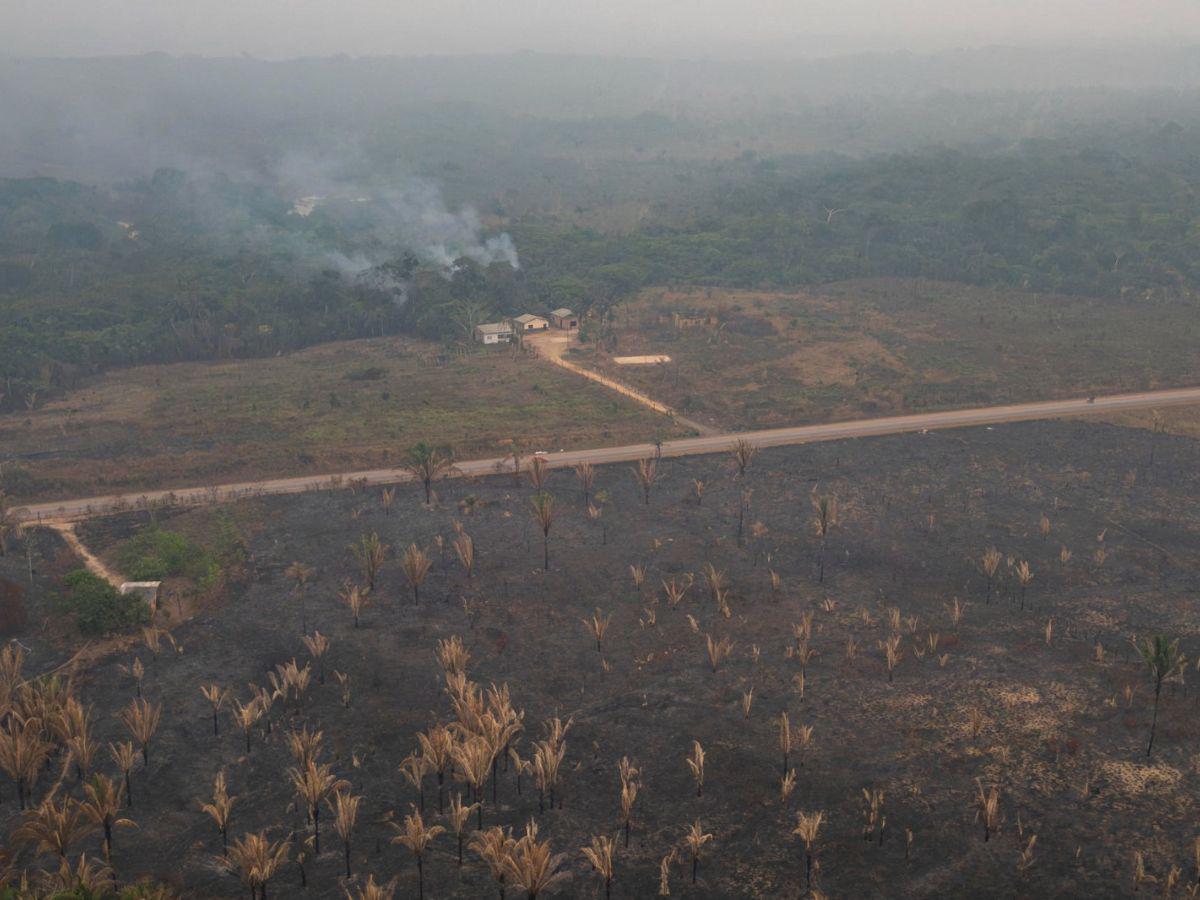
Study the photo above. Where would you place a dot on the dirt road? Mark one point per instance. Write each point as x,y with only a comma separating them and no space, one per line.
70,510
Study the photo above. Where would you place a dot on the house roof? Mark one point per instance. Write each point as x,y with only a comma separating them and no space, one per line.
562,313
494,328
529,317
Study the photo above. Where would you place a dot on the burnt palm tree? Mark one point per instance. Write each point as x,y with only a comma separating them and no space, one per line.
427,464
1165,661
544,513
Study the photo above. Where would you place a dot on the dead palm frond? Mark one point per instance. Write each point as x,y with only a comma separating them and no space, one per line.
370,553
645,474
220,809
125,757
216,697
596,626
695,763
545,513
600,854
459,814
256,860
344,807
317,644
807,826
743,453
586,473
416,836
989,564
464,549
694,840
313,783
718,650
141,718
416,564
54,825
533,867
987,808
355,598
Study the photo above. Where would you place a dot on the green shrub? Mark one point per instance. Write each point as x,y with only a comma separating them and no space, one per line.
99,608
155,554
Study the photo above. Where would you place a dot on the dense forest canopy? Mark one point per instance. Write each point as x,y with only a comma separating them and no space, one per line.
332,219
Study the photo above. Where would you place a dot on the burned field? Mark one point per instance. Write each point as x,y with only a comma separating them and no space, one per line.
961,734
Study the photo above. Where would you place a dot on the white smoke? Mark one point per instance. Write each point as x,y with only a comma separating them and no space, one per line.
410,214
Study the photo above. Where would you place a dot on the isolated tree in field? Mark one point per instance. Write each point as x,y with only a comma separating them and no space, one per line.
386,499
141,718
596,626
1165,661
743,454
785,738
586,473
645,474
313,783
825,519
460,815
416,836
600,854
807,826
355,598
698,491
544,514
718,651
989,564
695,839
344,808
220,809
125,757
416,564
891,654
533,867
428,464
300,574
369,552
216,697
101,804
256,860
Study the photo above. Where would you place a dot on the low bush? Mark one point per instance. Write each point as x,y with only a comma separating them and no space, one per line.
98,607
155,554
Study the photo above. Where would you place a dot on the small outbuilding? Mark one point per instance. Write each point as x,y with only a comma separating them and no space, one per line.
149,591
530,322
564,318
494,333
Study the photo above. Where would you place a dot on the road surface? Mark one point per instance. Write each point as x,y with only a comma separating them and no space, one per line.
74,510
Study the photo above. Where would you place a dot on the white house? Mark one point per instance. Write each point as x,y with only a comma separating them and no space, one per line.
494,333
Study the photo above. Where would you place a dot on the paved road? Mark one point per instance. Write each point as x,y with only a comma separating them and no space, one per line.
69,510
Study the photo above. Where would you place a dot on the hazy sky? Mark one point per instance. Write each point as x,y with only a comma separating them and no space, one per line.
280,28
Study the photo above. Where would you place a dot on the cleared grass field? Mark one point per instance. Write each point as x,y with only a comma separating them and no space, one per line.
883,347
330,408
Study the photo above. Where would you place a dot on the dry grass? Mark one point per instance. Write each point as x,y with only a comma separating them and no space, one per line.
330,408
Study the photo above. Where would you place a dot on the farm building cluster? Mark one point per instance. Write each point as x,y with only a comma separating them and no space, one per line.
504,331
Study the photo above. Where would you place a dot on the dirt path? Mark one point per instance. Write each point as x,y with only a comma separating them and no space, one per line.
75,510
551,345
91,562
